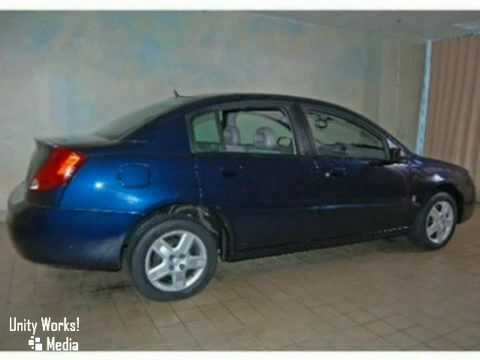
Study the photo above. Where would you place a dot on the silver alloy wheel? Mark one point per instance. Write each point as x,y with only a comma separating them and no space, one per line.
175,261
440,221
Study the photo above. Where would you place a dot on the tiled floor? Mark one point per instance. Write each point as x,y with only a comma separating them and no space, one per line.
373,296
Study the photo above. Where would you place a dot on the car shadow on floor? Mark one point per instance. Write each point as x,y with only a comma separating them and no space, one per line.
358,252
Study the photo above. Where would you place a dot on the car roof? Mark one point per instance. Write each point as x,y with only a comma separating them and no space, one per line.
202,99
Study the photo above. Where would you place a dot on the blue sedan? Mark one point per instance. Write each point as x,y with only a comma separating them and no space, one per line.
169,189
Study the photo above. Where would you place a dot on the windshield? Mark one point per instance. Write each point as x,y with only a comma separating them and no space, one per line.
125,125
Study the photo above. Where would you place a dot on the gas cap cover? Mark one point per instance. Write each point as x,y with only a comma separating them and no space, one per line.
134,175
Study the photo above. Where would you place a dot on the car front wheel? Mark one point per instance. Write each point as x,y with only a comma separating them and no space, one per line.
435,223
172,258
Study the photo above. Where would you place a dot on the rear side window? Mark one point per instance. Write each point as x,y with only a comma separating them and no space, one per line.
265,131
206,135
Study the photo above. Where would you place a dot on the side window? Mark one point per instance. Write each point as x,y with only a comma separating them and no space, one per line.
206,137
335,136
257,131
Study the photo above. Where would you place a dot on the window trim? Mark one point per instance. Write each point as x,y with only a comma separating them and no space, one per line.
348,117
252,105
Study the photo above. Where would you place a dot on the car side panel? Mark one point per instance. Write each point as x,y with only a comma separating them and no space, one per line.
120,186
136,184
362,199
153,171
262,197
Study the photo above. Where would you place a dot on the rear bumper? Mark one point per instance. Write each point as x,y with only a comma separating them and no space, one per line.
72,238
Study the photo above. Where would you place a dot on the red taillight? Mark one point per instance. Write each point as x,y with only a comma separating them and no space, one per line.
58,169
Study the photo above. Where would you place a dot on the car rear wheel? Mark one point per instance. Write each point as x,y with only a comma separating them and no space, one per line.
172,258
435,223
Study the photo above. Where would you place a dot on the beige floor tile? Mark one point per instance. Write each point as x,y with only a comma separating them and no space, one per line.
380,328
465,337
309,345
181,305
190,314
401,339
422,334
345,307
361,316
443,344
399,322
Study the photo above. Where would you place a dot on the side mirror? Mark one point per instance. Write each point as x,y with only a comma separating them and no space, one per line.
396,154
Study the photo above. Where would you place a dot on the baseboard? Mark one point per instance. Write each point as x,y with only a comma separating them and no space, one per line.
3,215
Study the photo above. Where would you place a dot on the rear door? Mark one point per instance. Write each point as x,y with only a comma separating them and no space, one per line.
358,190
251,169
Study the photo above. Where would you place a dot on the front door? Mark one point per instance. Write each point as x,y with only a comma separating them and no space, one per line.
359,191
250,169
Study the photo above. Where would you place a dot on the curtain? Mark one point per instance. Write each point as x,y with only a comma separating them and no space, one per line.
453,125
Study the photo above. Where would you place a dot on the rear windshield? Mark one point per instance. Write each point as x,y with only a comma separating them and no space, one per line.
125,125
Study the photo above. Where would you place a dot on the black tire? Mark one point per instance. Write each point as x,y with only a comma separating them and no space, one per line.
144,237
419,230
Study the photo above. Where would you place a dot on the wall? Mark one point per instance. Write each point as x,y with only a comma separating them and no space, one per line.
67,72
400,89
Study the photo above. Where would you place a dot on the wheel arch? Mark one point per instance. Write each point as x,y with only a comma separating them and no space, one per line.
448,188
214,222
452,190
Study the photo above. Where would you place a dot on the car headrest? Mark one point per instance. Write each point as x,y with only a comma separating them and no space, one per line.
231,134
265,137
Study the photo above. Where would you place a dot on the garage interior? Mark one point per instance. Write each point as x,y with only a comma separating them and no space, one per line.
416,74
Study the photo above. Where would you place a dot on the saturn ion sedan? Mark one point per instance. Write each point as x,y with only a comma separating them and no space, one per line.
169,189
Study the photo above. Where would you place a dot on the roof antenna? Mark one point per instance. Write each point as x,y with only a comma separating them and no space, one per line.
175,93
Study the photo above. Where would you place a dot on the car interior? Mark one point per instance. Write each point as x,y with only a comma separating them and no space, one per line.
244,131
269,132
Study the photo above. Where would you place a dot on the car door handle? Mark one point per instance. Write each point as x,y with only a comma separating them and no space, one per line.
231,171
228,172
336,172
